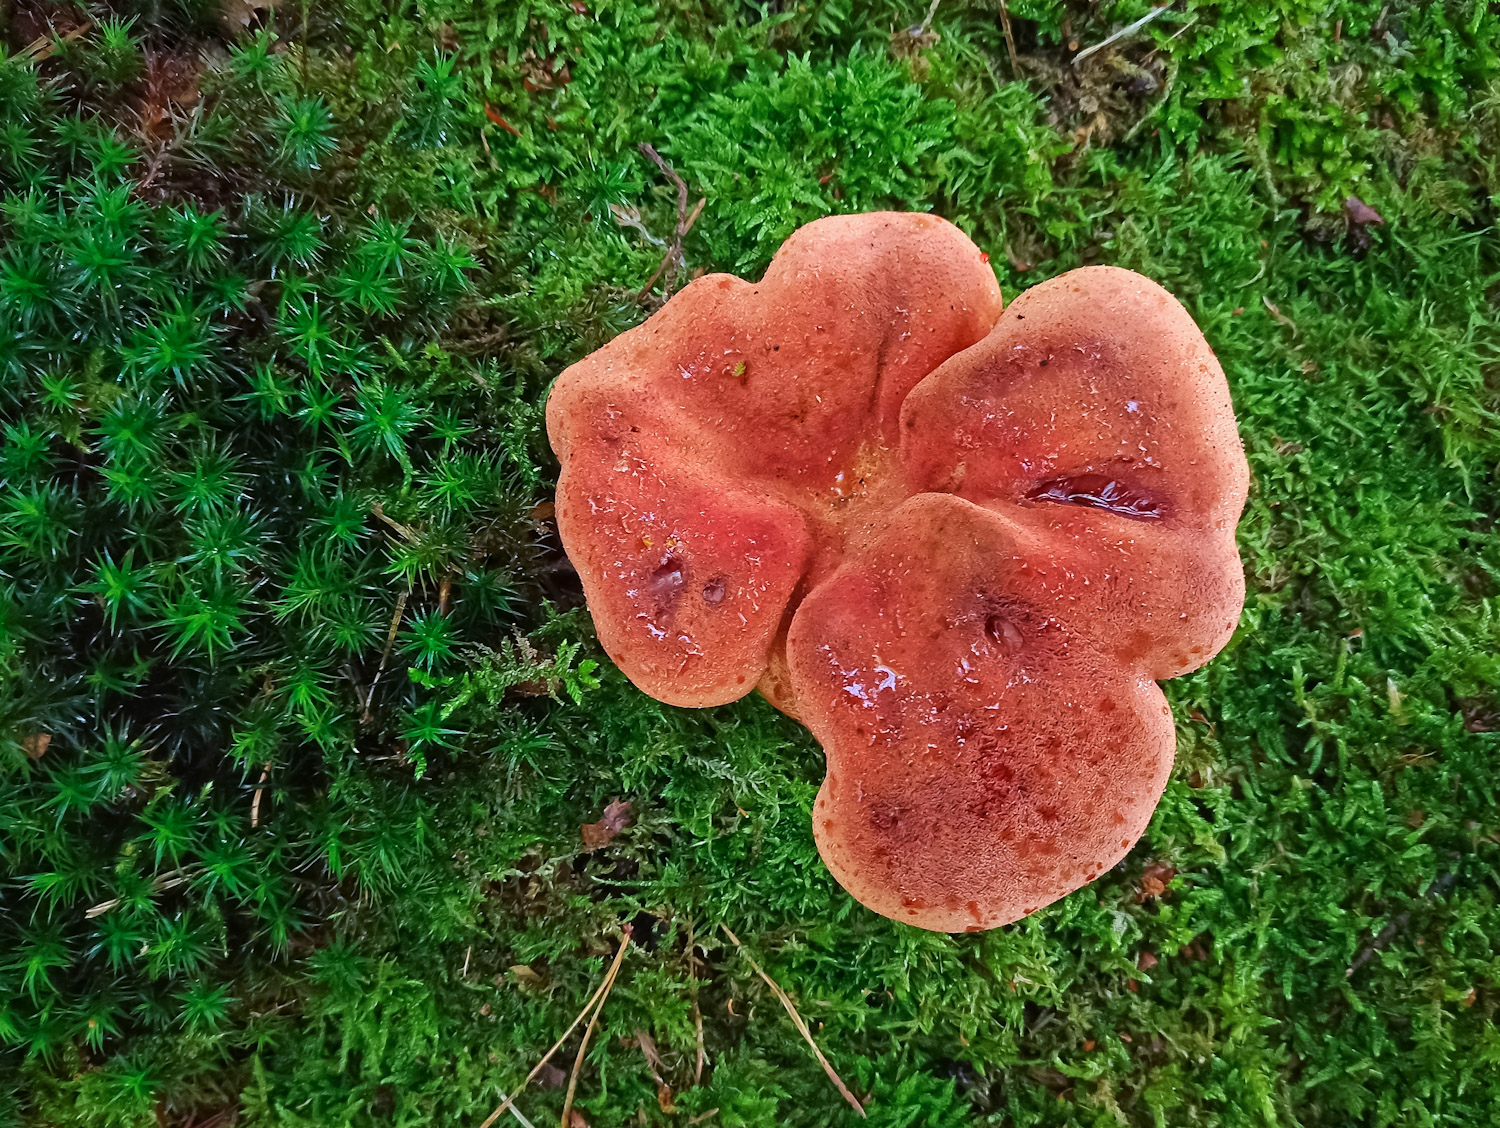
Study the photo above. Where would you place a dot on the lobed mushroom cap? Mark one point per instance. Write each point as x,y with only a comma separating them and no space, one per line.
958,543
1096,382
984,757
710,455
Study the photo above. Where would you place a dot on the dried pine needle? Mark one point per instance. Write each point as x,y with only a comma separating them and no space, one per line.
588,1031
589,1007
797,1020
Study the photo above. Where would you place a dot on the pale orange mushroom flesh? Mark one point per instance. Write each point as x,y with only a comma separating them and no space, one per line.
959,544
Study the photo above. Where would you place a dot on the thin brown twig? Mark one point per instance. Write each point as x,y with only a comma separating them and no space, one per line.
589,1006
1280,318
159,884
668,257
797,1020
305,5
649,1051
390,634
692,960
588,1031
154,165
385,655
671,174
672,260
489,112
44,48
698,1063
406,533
1380,942
1127,30
260,786
1010,40
1178,34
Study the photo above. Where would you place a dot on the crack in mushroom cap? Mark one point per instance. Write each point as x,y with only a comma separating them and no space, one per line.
960,544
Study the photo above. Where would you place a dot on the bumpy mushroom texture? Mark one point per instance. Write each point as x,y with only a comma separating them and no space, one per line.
959,544
1096,411
716,459
984,757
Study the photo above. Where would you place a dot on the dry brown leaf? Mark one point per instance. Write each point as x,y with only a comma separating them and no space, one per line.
617,816
1362,214
524,974
240,14
1154,880
35,745
664,1098
648,1051
171,83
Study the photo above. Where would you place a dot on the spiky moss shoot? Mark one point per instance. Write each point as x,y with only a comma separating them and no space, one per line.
223,889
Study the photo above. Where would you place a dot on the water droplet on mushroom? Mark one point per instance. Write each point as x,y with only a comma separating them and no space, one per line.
713,591
1004,633
666,581
1098,491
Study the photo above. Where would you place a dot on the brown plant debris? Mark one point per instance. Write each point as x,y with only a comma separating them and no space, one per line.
595,1001
797,1021
618,815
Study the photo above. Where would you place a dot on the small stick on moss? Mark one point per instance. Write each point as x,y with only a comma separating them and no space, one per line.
698,1062
1394,928
514,1111
692,962
385,655
489,112
588,1031
42,48
1279,317
597,996
406,533
260,786
672,260
1010,40
1128,29
1178,34
797,1020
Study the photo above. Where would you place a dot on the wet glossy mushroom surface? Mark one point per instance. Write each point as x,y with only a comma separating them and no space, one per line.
959,544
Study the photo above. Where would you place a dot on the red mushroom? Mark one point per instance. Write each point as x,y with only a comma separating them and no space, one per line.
959,545
717,456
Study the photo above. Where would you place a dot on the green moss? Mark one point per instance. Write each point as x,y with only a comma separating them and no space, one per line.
301,717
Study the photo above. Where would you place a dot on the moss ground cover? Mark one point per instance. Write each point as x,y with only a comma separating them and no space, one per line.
301,717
